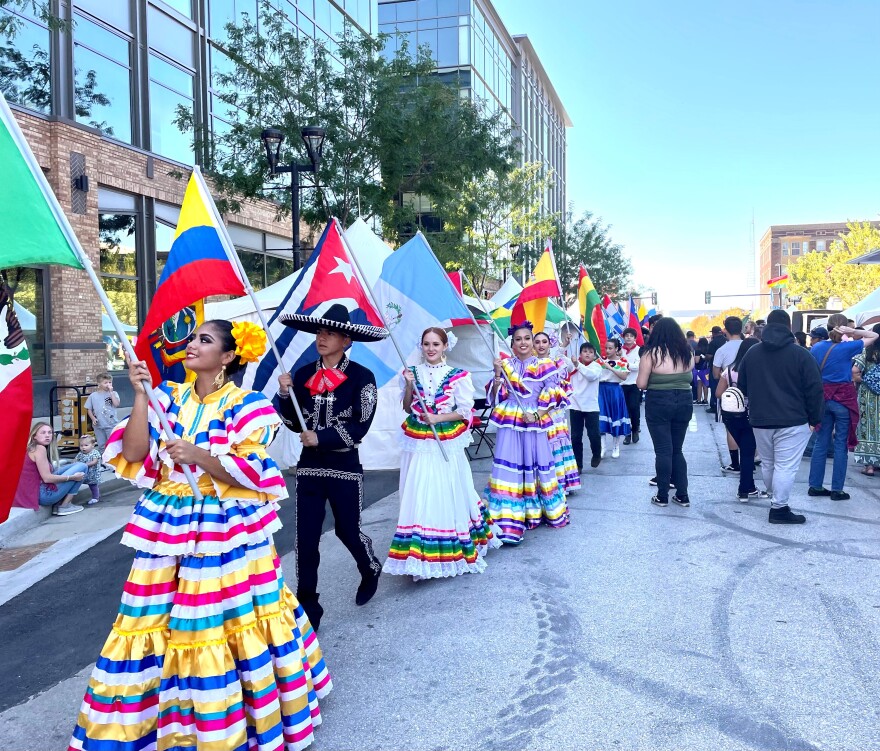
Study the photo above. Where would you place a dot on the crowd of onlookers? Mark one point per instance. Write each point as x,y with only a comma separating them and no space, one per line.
781,399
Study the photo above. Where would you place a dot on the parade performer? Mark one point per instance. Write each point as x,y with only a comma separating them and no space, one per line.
442,530
338,400
210,649
613,416
523,490
567,472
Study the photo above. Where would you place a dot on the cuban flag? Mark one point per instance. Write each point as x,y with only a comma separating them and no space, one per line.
328,277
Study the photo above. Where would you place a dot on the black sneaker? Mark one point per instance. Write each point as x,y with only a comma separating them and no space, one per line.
595,461
653,482
839,495
685,502
627,440
818,491
658,502
368,587
729,468
785,515
635,437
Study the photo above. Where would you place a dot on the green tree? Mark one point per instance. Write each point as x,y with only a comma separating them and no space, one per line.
393,130
587,241
492,213
817,276
39,9
702,324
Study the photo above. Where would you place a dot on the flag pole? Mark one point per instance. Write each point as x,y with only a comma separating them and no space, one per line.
369,291
232,255
471,315
76,247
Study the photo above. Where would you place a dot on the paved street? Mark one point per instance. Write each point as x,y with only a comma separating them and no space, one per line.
633,628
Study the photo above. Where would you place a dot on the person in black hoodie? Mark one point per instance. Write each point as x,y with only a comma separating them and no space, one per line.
784,389
717,341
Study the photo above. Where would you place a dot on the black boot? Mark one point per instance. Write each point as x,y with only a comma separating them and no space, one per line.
314,611
784,515
368,587
635,436
627,440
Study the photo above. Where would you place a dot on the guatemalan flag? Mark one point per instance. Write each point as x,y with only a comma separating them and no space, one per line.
413,293
199,265
328,277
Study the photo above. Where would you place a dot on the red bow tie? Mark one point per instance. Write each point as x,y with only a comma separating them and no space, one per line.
325,379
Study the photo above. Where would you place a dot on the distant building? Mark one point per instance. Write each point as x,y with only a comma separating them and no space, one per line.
475,52
784,243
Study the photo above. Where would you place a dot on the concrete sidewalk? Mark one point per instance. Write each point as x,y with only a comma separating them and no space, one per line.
634,628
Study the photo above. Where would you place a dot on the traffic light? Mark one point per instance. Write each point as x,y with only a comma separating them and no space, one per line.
654,299
708,297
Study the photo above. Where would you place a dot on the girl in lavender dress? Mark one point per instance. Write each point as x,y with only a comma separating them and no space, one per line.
523,490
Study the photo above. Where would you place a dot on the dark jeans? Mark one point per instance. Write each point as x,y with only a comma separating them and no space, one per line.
835,420
667,414
744,436
713,400
577,420
633,396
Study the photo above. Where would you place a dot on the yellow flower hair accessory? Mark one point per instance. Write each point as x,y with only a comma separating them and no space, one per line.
250,340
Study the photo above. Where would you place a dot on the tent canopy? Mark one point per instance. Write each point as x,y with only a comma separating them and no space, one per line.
872,256
866,312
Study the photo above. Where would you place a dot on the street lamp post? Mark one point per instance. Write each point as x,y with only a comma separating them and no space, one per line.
313,137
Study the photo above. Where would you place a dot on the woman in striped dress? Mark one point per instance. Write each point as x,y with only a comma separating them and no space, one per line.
560,437
523,490
210,649
442,529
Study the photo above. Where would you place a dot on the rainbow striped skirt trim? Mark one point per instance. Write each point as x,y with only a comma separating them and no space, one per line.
208,651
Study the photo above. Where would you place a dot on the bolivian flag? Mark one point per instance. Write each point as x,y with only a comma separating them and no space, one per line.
198,266
588,299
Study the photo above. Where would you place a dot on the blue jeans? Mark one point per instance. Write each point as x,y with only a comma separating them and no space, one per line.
49,497
836,418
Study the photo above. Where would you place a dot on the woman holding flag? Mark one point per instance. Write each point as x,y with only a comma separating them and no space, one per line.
441,530
523,490
567,472
209,648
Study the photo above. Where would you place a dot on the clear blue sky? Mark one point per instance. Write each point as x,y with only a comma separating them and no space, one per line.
688,115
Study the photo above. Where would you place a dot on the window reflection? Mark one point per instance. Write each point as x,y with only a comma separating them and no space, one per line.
28,293
102,80
24,65
170,88
117,237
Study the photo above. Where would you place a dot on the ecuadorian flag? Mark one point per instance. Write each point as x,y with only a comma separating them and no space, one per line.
199,265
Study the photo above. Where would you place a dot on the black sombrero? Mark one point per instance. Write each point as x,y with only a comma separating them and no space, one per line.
335,318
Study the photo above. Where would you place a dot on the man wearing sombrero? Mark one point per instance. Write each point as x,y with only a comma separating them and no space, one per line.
338,401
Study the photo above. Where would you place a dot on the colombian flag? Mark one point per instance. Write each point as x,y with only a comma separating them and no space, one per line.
199,265
543,284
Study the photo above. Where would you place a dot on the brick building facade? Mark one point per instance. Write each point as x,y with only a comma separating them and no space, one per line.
783,244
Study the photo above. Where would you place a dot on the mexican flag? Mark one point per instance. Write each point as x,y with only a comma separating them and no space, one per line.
33,230
33,227
16,400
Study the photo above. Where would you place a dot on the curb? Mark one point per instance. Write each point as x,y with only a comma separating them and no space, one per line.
21,520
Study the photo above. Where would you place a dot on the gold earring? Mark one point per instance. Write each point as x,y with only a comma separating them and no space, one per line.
220,378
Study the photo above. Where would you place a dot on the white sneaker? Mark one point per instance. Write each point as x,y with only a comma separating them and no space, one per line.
92,501
615,452
68,510
602,453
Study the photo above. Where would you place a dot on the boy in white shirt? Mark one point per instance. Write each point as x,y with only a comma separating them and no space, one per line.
584,405
631,392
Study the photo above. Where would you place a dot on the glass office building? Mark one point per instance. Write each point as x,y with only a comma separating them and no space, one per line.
474,50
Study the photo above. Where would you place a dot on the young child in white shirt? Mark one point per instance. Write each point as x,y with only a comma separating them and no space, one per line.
584,405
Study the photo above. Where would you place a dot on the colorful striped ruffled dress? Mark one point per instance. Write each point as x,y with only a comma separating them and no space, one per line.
523,490
210,649
443,528
560,436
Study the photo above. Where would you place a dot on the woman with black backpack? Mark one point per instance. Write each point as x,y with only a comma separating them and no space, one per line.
735,416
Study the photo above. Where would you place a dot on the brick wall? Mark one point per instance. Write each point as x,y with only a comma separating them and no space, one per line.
76,350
